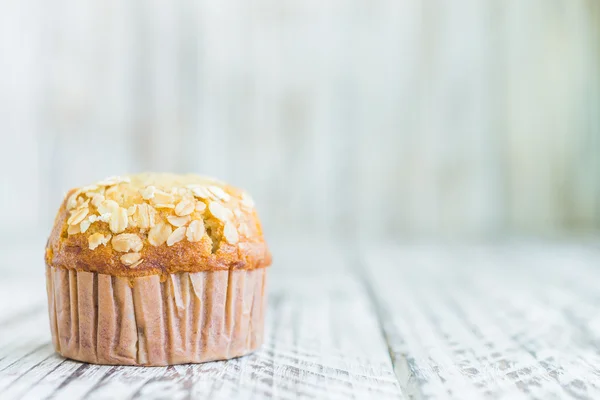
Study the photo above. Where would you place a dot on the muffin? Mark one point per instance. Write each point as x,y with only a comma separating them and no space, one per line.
156,269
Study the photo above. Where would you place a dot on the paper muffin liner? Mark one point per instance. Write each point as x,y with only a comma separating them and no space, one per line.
187,318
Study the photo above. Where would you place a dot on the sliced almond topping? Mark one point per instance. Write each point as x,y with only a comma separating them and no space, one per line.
73,200
201,192
159,234
82,203
184,207
244,230
178,221
113,180
195,231
104,217
145,215
214,180
130,258
131,222
112,192
89,188
161,205
126,242
85,224
230,233
135,265
246,247
96,199
177,236
219,211
118,220
73,229
96,239
148,192
220,193
78,216
108,206
246,200
161,197
200,206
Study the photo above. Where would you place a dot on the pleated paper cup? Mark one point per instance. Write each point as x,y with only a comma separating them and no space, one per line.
185,318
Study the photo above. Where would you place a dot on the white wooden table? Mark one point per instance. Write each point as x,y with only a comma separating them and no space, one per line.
513,321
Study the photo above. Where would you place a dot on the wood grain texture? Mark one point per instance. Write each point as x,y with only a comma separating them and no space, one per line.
516,320
505,321
322,341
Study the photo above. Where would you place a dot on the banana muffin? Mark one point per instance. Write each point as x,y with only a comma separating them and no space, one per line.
156,269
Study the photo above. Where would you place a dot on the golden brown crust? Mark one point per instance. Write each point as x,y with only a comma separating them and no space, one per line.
217,231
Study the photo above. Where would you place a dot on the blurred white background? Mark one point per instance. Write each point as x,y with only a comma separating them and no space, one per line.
465,118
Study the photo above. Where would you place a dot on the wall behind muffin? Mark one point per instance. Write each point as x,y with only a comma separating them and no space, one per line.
379,117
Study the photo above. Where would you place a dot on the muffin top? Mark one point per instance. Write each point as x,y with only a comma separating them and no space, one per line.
151,223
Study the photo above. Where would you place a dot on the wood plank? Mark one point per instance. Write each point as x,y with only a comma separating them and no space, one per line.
82,380
37,381
21,367
487,321
514,321
322,341
566,341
